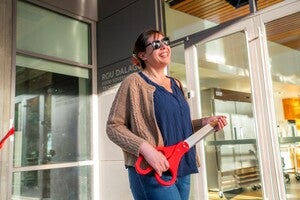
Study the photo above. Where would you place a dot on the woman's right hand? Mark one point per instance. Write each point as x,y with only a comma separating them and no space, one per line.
154,158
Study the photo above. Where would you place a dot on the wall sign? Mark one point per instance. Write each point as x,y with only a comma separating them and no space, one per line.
114,74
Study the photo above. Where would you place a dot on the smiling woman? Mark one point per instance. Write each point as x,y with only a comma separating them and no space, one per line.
150,111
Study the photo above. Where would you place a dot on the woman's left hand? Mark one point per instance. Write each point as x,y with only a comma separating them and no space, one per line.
221,121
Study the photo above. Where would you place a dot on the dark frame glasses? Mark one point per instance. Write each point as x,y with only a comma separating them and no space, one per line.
156,44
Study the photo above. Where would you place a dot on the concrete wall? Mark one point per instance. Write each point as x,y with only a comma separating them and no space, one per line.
6,63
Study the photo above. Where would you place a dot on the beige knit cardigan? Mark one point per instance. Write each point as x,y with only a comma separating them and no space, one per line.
132,119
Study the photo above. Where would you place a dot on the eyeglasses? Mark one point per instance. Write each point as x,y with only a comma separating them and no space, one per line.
156,44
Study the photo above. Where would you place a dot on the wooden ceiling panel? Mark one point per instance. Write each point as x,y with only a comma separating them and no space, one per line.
283,31
217,11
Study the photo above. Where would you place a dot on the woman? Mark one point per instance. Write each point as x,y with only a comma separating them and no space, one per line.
150,110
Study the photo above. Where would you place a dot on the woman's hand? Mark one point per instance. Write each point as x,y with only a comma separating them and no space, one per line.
221,121
154,158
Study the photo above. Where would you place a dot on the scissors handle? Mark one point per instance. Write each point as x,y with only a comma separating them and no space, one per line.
10,132
173,154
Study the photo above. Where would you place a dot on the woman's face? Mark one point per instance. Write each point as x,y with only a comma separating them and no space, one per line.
158,52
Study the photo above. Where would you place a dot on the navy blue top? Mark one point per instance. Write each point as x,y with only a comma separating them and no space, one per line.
172,113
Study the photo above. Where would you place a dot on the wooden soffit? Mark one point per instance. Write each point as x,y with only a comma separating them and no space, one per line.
217,11
284,31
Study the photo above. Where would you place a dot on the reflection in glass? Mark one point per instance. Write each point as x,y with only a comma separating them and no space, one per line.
177,65
231,154
52,116
284,51
45,32
59,184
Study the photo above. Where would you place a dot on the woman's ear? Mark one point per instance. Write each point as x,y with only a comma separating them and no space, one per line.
142,55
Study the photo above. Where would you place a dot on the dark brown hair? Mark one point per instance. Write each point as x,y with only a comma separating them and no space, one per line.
140,45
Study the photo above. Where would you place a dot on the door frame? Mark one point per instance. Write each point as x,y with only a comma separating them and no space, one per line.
271,171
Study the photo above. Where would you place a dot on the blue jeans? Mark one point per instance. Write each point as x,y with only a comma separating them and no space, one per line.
146,187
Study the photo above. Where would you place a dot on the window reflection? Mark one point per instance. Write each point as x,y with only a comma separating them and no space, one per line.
53,118
60,184
45,32
284,53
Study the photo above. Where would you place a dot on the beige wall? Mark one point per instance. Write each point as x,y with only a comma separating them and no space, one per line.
5,90
113,175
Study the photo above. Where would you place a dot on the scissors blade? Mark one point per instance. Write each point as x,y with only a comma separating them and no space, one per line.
201,133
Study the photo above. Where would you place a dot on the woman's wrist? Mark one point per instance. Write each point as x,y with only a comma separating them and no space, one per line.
203,121
144,148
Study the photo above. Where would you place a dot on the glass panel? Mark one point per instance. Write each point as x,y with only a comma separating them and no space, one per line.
42,31
284,50
196,16
231,154
48,66
66,183
177,65
52,114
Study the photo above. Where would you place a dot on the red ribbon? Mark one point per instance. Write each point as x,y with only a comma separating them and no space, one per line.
10,132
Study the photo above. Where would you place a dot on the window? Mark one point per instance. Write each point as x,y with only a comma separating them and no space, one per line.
52,156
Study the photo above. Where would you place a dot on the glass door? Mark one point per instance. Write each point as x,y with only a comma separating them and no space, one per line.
228,72
247,70
283,42
230,155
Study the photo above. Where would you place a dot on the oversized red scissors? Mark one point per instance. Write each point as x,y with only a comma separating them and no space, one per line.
174,154
8,134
